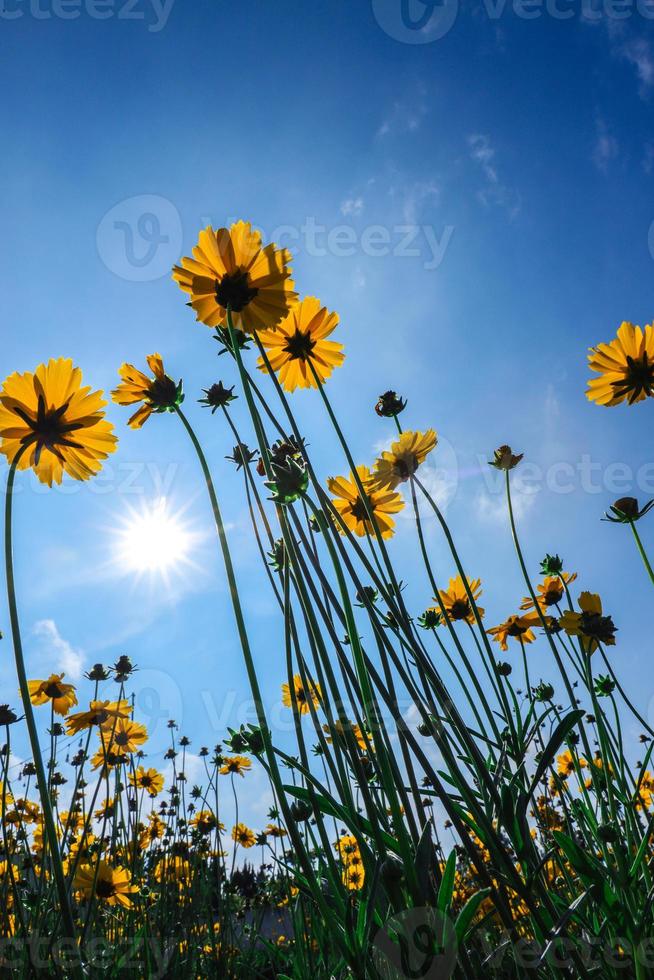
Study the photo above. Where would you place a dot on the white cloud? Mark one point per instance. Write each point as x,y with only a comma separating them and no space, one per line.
638,52
494,192
606,146
352,206
492,508
56,653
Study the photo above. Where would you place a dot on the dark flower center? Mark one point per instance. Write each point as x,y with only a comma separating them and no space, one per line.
460,609
105,888
405,466
300,346
552,595
639,377
49,429
598,627
359,510
53,690
163,393
515,629
121,738
146,781
234,291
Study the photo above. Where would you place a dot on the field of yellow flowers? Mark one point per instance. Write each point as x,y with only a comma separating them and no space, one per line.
542,864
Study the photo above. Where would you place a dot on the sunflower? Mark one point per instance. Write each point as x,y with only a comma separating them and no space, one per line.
147,779
355,511
231,269
302,695
519,627
243,835
237,764
625,367
50,423
455,599
158,394
589,625
126,735
110,885
405,456
299,343
62,696
550,591
98,713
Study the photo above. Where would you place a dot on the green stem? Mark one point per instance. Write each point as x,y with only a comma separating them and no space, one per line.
643,553
42,781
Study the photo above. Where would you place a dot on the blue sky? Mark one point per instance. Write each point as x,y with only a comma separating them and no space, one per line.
511,158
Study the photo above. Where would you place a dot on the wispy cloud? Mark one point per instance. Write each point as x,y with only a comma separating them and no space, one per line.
352,206
492,507
606,147
405,115
56,653
494,192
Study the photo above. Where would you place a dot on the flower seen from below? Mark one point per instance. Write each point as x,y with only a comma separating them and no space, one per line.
49,422
299,343
61,696
148,779
355,512
236,765
241,834
627,510
405,456
625,367
456,602
518,627
98,713
157,394
550,591
589,625
302,695
231,268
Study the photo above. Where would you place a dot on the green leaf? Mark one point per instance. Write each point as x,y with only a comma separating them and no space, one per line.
467,914
557,738
333,809
444,898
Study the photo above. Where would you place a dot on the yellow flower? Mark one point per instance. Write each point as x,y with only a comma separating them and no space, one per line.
353,877
302,695
455,599
99,712
589,625
625,367
342,730
112,885
565,764
231,268
405,456
205,822
519,627
645,791
550,591
124,734
147,779
243,835
54,423
300,338
353,510
347,847
62,696
238,764
158,394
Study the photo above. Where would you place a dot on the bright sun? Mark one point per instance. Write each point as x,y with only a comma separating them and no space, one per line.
153,540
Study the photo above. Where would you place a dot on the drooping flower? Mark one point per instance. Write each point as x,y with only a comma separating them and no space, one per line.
625,367
62,696
147,779
519,627
505,459
110,885
302,694
241,834
157,394
589,625
550,591
299,342
356,512
405,456
56,425
232,269
456,602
